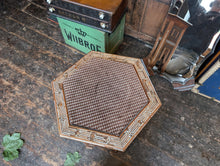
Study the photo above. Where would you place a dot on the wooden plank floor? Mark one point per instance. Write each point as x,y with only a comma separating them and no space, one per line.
185,130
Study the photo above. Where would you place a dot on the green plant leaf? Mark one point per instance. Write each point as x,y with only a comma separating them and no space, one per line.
10,155
72,159
11,145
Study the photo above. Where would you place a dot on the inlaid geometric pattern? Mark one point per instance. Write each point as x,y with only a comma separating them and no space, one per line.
104,95
105,100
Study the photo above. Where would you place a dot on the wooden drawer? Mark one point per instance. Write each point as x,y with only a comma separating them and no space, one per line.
102,14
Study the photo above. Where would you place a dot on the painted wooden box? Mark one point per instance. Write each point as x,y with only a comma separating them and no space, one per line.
209,84
86,39
104,100
208,80
208,75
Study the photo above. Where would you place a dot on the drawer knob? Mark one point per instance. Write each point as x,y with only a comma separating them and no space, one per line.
101,15
102,25
51,9
49,1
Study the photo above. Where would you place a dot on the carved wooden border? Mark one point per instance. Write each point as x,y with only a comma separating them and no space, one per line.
98,138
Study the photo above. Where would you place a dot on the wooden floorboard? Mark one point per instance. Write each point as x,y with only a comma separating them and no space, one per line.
185,130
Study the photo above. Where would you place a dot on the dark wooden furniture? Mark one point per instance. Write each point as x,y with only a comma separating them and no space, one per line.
208,53
101,14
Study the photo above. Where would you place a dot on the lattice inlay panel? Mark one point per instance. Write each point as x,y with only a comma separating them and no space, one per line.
105,100
104,95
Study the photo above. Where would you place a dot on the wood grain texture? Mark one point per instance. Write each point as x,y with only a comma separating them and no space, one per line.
166,43
108,5
145,18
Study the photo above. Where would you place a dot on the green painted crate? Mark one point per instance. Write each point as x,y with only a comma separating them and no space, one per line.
86,39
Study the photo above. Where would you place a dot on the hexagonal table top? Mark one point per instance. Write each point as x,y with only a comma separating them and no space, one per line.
104,99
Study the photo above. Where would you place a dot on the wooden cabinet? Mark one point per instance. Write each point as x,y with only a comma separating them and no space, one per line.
145,18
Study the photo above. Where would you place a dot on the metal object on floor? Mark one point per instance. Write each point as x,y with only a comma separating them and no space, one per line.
105,100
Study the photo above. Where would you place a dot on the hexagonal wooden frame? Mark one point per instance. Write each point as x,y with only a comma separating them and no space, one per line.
98,138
